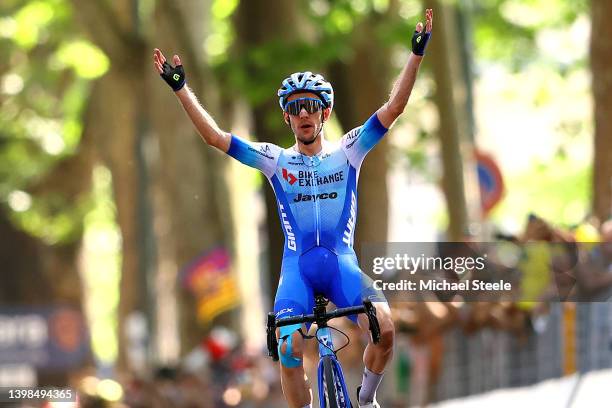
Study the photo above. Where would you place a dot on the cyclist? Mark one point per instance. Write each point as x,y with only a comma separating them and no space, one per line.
315,185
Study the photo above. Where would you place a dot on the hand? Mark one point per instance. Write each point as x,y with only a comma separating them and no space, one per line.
420,36
174,76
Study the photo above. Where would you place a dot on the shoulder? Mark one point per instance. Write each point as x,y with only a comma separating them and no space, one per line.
269,149
261,155
350,137
263,149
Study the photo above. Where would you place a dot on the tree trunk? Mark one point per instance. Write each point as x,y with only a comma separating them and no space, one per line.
445,61
115,133
146,139
191,189
601,66
253,28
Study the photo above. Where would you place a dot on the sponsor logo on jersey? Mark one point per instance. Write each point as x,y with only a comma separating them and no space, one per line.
283,311
348,146
352,137
264,150
353,133
311,197
350,224
289,176
291,244
312,178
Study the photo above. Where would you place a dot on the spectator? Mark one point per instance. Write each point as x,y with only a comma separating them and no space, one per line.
595,271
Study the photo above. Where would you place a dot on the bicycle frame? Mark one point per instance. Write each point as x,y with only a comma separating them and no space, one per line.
326,347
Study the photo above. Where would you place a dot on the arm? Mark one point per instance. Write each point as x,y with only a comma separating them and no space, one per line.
402,88
398,99
204,123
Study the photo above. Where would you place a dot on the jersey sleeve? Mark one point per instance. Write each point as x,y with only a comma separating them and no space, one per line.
359,141
261,156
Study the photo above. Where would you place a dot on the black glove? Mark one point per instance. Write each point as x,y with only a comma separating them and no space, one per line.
174,76
419,42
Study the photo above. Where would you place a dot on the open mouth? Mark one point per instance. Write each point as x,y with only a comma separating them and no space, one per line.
306,126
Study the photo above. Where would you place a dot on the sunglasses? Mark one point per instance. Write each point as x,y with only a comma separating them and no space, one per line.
310,104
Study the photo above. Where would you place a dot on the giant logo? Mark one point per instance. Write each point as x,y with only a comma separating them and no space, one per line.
288,229
349,232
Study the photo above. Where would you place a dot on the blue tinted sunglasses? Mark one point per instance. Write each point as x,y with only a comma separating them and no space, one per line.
311,105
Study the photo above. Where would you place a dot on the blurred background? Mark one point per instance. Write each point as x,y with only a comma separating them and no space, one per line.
137,265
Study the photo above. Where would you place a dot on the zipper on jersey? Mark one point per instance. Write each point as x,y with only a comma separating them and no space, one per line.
315,191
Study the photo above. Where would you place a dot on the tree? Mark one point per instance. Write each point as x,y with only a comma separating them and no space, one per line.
453,136
45,169
601,66
152,151
197,206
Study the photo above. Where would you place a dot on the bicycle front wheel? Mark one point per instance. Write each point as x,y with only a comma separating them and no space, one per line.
333,389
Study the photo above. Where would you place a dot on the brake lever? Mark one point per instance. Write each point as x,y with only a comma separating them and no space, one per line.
373,321
271,340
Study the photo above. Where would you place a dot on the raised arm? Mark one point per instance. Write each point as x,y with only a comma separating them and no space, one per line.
204,123
402,88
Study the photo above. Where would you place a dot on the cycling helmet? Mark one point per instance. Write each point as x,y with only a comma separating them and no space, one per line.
306,82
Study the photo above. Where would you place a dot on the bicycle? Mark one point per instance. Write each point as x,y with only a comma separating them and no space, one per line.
332,387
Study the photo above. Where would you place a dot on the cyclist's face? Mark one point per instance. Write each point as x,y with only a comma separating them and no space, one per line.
306,125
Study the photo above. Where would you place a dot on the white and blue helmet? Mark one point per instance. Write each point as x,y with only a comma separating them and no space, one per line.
306,82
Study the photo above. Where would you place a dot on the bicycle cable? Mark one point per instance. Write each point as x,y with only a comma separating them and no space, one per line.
348,340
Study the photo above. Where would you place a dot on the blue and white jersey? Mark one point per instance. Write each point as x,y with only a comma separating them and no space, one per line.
316,195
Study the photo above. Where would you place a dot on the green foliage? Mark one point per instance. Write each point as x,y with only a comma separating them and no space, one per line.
557,192
83,57
273,62
43,90
223,9
102,255
505,30
53,218
335,21
222,34
32,23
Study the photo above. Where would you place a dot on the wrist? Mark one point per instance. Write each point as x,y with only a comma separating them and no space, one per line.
182,90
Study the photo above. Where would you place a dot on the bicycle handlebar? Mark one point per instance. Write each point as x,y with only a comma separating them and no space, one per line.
311,318
321,318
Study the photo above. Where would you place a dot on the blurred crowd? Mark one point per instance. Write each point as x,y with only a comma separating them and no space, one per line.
217,374
550,265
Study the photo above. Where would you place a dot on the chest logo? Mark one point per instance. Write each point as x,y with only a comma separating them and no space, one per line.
289,177
311,197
